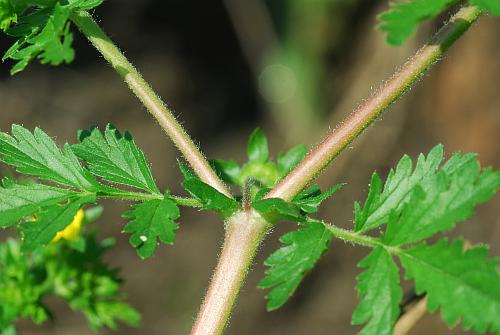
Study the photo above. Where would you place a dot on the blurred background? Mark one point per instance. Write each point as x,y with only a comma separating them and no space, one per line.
295,68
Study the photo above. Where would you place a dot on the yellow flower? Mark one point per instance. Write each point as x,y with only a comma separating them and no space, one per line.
71,232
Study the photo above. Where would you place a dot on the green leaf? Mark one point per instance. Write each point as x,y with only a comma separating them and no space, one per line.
442,202
310,200
464,284
107,313
42,28
210,197
277,209
492,6
397,189
257,148
152,220
288,265
19,201
186,172
51,43
381,294
287,162
49,221
228,171
402,19
115,158
36,154
87,284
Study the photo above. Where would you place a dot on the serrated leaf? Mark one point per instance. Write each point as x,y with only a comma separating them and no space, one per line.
381,294
50,220
402,19
36,154
210,197
42,28
152,220
287,162
277,209
397,189
49,41
310,200
442,202
115,158
464,284
257,148
18,201
492,6
288,265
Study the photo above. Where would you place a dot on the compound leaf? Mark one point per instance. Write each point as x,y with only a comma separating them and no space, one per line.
115,158
464,284
288,265
49,221
402,19
381,294
37,154
152,220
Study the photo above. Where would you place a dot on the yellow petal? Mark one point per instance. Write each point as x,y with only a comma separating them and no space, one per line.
71,232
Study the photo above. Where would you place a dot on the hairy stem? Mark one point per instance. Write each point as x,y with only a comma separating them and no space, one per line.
371,109
148,97
244,233
138,196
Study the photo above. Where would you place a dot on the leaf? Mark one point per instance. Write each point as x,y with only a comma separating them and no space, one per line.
49,221
228,171
402,19
42,28
186,172
492,6
257,148
288,265
277,209
115,158
464,284
152,220
210,197
51,43
88,284
287,162
310,200
19,201
107,313
381,294
37,155
398,187
441,203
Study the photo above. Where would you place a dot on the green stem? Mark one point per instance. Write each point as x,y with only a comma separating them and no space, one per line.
138,196
148,97
358,238
371,109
